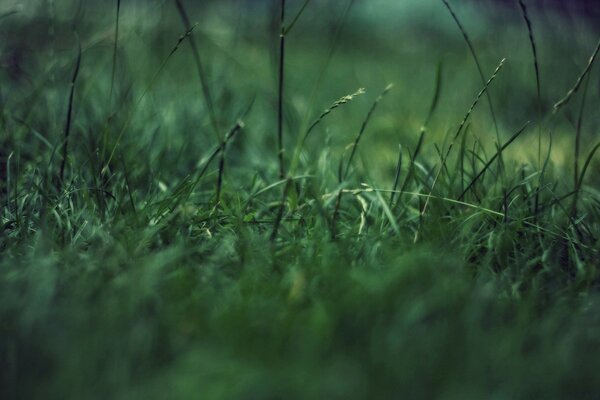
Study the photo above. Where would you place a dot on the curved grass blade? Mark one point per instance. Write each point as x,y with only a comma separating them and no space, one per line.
565,100
477,63
208,100
460,128
491,160
67,130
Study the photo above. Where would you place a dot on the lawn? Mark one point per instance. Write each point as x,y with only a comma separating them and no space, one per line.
299,200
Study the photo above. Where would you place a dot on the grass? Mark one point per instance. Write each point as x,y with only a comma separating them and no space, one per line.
401,248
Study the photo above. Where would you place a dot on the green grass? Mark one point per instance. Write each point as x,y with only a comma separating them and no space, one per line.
406,243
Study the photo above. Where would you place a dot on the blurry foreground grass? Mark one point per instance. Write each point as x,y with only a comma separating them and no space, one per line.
403,253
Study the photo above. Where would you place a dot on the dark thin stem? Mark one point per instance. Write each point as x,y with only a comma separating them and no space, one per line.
236,128
561,103
126,176
114,58
336,211
477,63
70,111
537,75
343,173
539,96
280,93
143,95
363,128
578,130
281,209
221,171
491,161
577,183
411,168
397,177
208,100
459,130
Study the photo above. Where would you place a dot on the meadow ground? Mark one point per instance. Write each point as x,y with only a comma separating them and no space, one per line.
406,204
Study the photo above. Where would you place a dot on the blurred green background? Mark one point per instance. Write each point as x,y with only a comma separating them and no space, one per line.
336,48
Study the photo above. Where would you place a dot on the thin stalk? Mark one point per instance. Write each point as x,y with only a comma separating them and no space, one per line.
561,103
67,130
221,171
281,209
126,176
208,100
343,173
539,97
577,184
397,177
186,187
280,148
363,128
537,76
236,128
8,159
114,57
336,36
491,160
477,63
143,95
459,130
341,101
411,169
302,140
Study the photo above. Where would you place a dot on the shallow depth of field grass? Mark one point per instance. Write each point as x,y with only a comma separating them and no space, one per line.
389,210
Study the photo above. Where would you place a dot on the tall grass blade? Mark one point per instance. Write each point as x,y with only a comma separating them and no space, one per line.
338,103
208,100
581,176
411,168
536,68
565,100
281,71
67,130
289,27
477,63
460,128
343,173
397,176
279,217
363,128
578,145
143,95
491,160
114,56
336,37
8,14
436,93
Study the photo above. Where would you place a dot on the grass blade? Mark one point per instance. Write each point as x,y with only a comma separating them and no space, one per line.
565,100
208,100
460,128
287,29
67,130
114,57
536,68
477,63
491,160
363,128
143,95
436,93
397,176
281,70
